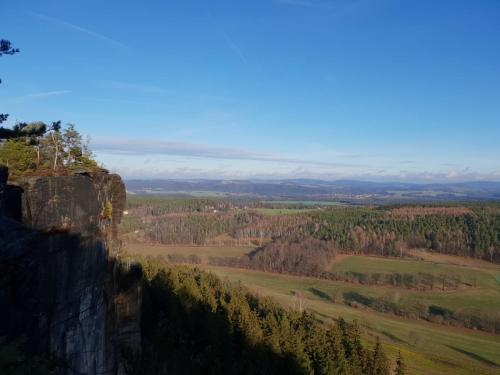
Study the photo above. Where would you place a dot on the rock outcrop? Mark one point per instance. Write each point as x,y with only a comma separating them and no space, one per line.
59,286
71,204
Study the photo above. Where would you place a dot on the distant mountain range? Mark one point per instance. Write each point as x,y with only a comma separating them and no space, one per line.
342,190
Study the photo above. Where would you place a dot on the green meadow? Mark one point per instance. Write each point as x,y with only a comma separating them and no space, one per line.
480,277
428,348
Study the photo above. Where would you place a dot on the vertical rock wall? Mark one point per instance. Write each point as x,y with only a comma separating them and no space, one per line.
59,286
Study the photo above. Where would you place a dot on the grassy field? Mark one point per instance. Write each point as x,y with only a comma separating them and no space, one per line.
428,348
453,260
202,251
481,277
484,296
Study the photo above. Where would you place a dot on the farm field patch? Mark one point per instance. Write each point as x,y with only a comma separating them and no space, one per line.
428,348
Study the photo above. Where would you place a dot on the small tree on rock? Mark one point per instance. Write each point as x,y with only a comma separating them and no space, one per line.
55,142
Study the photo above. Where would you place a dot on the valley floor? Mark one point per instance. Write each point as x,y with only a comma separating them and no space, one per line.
428,348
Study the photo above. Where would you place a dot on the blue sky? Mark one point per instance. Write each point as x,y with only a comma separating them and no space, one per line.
367,89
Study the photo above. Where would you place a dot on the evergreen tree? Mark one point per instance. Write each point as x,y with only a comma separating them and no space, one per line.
18,156
336,350
400,366
195,323
34,148
35,132
379,364
72,142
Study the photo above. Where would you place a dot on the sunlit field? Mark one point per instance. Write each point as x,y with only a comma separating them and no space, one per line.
428,348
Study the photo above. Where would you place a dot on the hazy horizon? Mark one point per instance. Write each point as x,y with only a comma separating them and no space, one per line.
305,179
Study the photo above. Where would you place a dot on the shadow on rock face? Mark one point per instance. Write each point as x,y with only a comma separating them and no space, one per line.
58,282
13,202
56,289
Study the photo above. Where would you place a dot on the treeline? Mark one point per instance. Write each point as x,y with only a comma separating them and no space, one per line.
158,206
194,229
421,280
472,232
308,256
203,228
39,149
469,230
260,226
195,323
472,318
298,255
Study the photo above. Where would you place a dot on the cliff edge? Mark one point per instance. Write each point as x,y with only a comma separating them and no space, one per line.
59,289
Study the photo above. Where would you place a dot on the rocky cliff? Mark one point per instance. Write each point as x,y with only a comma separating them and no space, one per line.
61,287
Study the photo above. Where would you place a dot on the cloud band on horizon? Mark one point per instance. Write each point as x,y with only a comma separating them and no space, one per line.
176,148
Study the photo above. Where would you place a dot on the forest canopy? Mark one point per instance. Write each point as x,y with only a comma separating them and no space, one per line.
193,322
36,148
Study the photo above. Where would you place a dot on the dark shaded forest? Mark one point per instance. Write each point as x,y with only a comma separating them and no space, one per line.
195,323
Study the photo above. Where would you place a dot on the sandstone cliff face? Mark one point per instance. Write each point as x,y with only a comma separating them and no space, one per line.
71,204
59,287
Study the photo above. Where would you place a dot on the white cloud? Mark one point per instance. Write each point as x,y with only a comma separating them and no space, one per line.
183,169
44,94
143,147
151,158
